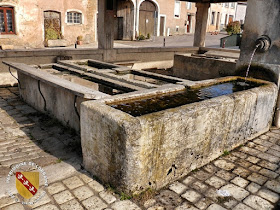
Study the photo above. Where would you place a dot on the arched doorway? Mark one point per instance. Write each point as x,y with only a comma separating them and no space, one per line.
124,23
147,18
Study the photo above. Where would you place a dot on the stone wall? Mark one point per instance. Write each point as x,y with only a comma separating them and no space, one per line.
201,68
29,21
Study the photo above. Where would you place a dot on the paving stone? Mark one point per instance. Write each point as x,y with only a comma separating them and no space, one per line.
44,200
201,175
273,185
273,152
244,163
177,187
215,181
257,178
268,157
85,177
125,205
241,172
94,203
216,207
239,154
210,168
199,186
156,207
276,147
189,180
191,196
268,173
242,206
225,175
169,199
262,142
255,168
237,192
230,158
253,159
149,203
230,204
82,193
224,165
253,187
261,148
63,197
6,201
16,206
56,188
72,204
240,182
107,196
203,203
268,165
47,207
257,203
185,206
96,186
269,195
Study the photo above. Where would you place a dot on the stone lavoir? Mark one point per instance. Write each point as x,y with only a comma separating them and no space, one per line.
145,134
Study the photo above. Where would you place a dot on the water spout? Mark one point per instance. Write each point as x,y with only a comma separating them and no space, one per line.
250,62
263,43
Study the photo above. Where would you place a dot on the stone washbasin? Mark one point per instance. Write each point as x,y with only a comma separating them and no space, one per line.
156,146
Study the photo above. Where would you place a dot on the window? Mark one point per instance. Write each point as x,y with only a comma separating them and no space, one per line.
189,5
232,5
177,9
213,18
7,25
226,4
74,17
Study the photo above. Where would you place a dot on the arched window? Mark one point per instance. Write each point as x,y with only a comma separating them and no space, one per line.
74,17
7,25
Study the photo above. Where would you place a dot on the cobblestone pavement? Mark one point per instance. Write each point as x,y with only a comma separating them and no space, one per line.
246,178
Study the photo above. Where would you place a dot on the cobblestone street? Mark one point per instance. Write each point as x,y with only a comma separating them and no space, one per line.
243,179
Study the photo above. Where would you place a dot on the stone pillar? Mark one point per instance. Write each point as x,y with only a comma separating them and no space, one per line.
105,24
262,18
201,24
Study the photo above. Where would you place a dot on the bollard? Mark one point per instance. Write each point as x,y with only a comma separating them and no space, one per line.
163,42
75,45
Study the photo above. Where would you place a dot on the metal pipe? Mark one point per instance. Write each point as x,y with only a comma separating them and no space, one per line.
277,113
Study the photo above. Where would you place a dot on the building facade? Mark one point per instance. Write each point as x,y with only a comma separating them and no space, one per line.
31,23
241,12
220,15
153,17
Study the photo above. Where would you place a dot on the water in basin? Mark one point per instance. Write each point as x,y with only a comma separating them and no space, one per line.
162,102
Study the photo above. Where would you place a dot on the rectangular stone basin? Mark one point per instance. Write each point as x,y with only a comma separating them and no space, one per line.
60,94
150,150
135,77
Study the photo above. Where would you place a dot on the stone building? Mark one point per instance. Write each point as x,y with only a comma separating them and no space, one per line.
241,12
220,15
154,17
31,23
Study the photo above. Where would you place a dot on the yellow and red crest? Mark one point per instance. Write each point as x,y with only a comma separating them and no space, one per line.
27,183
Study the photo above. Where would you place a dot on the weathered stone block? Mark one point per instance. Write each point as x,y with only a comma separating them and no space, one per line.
57,43
134,153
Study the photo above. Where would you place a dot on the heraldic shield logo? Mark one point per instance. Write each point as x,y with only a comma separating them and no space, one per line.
27,183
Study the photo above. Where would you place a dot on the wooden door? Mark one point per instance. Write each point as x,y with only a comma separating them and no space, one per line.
147,18
162,22
52,25
189,23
